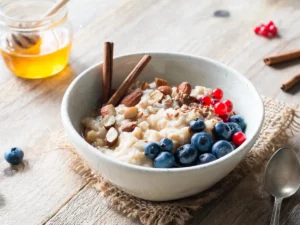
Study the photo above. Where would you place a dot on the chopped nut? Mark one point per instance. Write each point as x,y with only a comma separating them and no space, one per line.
112,136
129,127
145,85
157,96
160,82
109,121
131,113
108,110
166,90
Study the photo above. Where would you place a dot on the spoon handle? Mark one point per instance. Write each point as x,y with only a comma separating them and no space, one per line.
276,211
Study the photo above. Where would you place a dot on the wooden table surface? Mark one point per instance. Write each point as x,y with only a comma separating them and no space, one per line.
47,191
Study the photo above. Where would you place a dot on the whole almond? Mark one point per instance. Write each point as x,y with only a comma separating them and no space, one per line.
108,110
160,82
128,127
145,85
166,90
111,136
133,98
131,113
185,88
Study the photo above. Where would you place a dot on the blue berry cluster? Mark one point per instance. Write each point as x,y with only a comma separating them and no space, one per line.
203,148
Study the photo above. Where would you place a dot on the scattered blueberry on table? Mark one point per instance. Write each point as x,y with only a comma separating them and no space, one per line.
203,147
14,156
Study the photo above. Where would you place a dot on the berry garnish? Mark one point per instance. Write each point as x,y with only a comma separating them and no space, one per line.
257,29
197,125
164,160
268,30
152,150
234,127
202,142
217,94
271,23
206,158
205,100
222,131
238,138
273,30
220,108
229,105
221,148
14,156
239,120
166,144
186,155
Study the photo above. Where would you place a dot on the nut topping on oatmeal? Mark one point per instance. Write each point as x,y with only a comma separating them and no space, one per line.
157,96
112,136
160,82
131,113
166,90
133,98
108,110
145,85
185,88
129,127
109,121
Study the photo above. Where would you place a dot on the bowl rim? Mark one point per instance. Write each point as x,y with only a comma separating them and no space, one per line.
68,125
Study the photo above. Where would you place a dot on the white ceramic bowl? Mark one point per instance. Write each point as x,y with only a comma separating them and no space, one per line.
162,184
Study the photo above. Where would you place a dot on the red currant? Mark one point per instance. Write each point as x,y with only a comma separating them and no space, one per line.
217,94
238,138
220,108
269,24
273,30
256,30
205,100
229,105
225,118
264,31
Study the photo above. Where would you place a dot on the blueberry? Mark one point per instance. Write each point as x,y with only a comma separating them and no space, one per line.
164,160
222,131
206,158
166,144
186,155
152,150
197,125
234,127
14,156
202,141
239,120
221,148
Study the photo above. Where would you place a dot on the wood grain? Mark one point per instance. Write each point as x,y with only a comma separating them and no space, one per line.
45,190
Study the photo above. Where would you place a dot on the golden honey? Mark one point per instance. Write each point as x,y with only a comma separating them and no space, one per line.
33,64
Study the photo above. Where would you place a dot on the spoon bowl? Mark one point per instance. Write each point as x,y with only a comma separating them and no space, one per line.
282,178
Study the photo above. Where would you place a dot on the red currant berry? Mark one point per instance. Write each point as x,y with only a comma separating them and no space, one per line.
256,30
217,94
269,24
215,101
225,118
229,105
273,30
205,100
238,138
220,108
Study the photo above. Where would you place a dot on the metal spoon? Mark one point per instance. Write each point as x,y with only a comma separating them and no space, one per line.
282,178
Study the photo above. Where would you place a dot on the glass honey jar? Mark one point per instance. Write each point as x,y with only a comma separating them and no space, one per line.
32,46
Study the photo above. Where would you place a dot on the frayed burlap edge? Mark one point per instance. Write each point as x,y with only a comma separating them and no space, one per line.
279,125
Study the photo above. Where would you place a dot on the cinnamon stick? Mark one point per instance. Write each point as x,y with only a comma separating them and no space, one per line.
282,57
107,70
290,83
130,79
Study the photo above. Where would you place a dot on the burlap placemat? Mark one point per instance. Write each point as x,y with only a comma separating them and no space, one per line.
279,125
